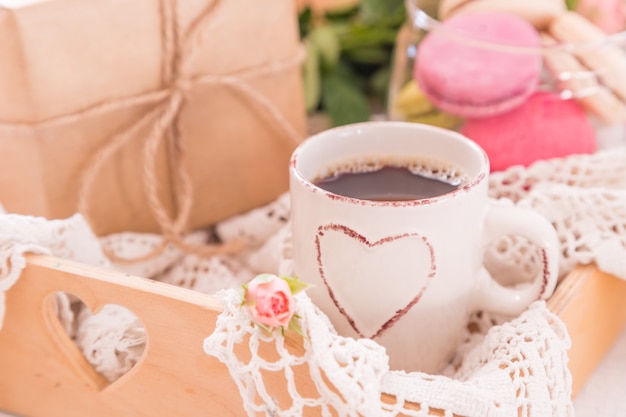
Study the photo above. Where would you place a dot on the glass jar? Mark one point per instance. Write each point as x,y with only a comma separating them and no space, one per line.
483,86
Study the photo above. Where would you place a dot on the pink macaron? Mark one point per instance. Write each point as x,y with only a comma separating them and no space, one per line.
544,127
479,64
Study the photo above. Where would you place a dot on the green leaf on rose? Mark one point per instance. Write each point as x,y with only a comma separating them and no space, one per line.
295,326
267,330
295,285
245,290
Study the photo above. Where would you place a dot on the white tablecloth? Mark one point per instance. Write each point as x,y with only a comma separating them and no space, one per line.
604,393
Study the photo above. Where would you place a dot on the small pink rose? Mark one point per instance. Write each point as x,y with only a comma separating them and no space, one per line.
608,15
269,301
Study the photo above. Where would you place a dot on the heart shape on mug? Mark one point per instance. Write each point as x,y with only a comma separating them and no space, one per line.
401,268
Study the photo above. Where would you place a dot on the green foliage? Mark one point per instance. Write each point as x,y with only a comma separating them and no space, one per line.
295,285
349,57
343,98
385,13
311,78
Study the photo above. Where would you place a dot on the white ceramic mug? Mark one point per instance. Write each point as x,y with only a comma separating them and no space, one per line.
407,273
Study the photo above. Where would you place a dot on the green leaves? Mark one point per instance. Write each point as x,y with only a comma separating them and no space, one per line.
342,98
295,285
295,326
312,78
329,79
349,57
382,12
326,43
359,35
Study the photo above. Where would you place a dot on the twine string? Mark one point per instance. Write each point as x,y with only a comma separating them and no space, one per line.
177,50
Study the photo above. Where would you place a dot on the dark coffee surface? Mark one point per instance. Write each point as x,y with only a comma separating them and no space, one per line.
389,183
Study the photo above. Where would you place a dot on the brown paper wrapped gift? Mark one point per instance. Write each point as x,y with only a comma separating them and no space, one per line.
148,115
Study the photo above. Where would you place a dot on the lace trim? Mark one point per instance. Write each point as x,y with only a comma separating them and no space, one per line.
507,367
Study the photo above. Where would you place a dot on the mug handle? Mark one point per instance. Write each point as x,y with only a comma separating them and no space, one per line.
511,220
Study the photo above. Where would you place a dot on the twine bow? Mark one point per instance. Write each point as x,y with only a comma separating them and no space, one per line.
179,48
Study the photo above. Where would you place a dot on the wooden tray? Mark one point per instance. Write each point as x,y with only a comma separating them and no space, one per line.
43,374
591,304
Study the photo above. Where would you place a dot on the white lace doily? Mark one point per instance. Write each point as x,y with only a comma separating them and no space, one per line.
516,367
71,238
584,196
519,369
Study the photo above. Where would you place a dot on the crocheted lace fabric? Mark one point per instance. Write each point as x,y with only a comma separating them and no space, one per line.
518,369
507,367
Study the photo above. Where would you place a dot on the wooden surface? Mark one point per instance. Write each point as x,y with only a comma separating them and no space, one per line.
592,305
44,375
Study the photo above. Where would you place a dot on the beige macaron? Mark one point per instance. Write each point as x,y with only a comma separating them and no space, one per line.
574,80
540,13
594,49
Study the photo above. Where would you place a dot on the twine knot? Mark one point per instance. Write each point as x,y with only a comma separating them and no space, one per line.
162,122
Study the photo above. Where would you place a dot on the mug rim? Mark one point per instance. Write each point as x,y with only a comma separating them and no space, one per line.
471,183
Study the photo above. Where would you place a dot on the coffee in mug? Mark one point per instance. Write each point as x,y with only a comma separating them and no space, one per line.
390,221
393,180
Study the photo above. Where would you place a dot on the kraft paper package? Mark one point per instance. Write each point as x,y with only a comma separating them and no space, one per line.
147,115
